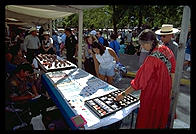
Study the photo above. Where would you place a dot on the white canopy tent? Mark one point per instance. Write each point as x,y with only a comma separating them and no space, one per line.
11,21
44,14
40,14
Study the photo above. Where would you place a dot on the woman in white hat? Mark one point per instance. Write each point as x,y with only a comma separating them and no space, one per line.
167,33
47,43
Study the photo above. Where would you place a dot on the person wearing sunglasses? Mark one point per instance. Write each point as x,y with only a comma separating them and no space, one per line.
167,33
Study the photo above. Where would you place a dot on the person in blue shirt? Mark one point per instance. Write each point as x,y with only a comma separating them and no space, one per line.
9,67
188,53
122,47
100,38
56,42
114,44
63,39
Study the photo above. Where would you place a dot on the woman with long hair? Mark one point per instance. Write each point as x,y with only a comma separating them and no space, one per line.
88,58
154,79
104,59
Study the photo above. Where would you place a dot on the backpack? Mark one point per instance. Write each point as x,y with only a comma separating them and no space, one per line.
105,43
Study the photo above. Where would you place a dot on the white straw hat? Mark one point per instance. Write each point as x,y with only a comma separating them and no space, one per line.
32,29
166,29
46,33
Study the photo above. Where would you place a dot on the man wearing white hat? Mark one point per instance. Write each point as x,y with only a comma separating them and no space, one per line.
167,32
31,44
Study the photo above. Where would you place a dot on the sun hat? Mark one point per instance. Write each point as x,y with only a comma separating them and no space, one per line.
32,29
166,29
46,33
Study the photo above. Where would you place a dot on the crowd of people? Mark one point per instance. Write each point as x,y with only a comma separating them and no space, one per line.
157,51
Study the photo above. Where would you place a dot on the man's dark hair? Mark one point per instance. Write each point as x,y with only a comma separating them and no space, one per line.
68,29
113,36
24,67
100,32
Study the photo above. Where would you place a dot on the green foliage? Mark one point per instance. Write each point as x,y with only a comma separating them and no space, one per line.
71,21
126,16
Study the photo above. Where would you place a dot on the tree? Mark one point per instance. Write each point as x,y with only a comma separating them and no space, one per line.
117,14
121,16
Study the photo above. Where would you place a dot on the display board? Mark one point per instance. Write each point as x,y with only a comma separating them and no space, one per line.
105,105
52,62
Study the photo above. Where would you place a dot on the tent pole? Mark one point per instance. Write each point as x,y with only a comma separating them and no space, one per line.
80,36
180,60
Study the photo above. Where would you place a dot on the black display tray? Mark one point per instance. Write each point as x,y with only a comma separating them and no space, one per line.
105,105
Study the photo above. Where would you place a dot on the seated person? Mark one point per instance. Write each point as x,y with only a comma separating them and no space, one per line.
21,89
9,67
18,87
18,57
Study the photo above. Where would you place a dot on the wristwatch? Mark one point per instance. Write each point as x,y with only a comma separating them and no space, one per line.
123,93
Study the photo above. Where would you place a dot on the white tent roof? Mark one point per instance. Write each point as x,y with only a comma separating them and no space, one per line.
43,14
40,14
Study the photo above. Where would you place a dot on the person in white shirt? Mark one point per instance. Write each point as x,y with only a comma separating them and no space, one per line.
104,59
128,37
47,44
31,45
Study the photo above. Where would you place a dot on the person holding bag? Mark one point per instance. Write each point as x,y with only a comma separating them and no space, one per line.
88,58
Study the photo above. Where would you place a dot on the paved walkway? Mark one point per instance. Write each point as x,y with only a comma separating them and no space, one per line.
183,104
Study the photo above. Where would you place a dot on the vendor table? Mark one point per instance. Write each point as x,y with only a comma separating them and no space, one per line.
70,88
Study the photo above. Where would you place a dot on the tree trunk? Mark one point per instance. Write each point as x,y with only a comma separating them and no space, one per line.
140,18
114,19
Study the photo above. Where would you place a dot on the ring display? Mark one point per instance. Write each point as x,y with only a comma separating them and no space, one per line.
50,62
105,105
